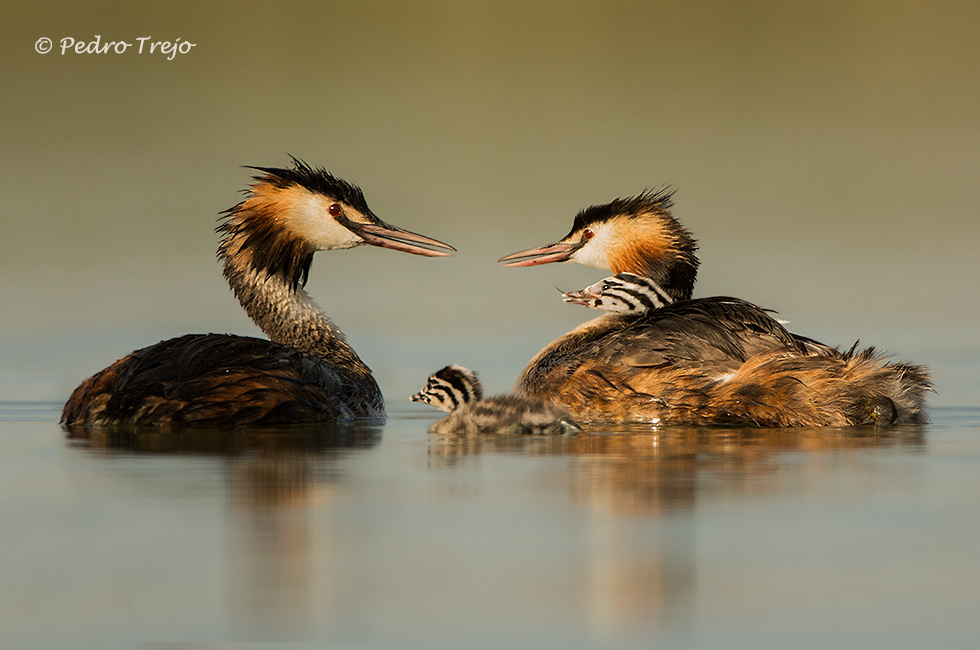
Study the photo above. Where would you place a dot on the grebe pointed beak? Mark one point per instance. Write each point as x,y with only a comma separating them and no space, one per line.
558,252
388,236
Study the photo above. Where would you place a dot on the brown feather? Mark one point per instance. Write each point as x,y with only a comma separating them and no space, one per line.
221,380
720,362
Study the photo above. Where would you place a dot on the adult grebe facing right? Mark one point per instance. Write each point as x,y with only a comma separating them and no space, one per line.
674,360
307,372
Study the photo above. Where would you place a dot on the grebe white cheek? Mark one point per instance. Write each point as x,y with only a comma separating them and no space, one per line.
306,372
676,360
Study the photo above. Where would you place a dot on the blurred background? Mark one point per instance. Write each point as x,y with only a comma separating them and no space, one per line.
824,154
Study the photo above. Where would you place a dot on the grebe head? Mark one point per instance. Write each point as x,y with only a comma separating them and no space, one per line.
290,213
450,388
623,293
635,235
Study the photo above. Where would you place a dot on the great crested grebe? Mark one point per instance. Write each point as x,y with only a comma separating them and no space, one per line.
307,372
698,361
457,390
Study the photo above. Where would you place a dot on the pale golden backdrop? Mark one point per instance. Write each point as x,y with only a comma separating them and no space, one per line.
825,155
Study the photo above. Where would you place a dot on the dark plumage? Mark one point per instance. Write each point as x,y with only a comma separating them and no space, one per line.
307,372
659,201
315,179
221,380
671,243
701,361
717,361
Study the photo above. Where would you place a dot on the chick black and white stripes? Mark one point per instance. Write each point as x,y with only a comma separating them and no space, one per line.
450,388
457,390
624,293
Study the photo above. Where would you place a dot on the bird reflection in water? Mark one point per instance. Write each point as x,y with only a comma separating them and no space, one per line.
273,474
223,440
625,560
627,468
638,559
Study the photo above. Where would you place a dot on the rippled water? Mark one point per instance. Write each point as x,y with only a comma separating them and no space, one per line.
385,535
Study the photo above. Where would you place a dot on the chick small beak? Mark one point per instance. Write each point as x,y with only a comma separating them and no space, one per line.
419,397
388,236
580,297
559,252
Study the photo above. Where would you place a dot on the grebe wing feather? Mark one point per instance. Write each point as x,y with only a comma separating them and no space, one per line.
718,332
685,344
220,379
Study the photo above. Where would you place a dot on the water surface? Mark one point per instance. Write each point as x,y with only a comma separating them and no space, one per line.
824,155
385,535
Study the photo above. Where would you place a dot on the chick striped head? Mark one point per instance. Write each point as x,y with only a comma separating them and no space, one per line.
623,293
450,388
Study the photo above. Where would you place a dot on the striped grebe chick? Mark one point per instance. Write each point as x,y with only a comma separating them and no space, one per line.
623,293
457,390
306,372
697,361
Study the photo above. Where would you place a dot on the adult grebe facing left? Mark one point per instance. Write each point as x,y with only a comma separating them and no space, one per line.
675,360
307,372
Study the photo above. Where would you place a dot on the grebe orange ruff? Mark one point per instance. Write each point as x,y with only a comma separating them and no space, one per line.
307,372
716,361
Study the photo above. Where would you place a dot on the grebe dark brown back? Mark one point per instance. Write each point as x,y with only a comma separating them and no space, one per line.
307,372
705,361
457,390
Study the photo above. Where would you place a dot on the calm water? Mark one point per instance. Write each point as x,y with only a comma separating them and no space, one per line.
385,535
825,156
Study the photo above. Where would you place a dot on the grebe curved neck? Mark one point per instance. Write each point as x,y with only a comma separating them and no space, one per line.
307,372
289,316
266,248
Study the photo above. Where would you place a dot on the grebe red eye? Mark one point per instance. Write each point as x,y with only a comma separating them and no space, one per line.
336,210
587,234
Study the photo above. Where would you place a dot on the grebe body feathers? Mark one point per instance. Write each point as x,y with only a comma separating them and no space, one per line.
696,361
306,372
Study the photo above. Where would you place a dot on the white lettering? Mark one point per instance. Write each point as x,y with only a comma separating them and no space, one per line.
169,49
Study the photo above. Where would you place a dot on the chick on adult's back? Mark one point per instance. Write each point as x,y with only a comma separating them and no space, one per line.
681,360
306,372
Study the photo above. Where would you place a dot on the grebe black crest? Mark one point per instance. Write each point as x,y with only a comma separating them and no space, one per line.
660,356
457,390
623,293
635,235
306,372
